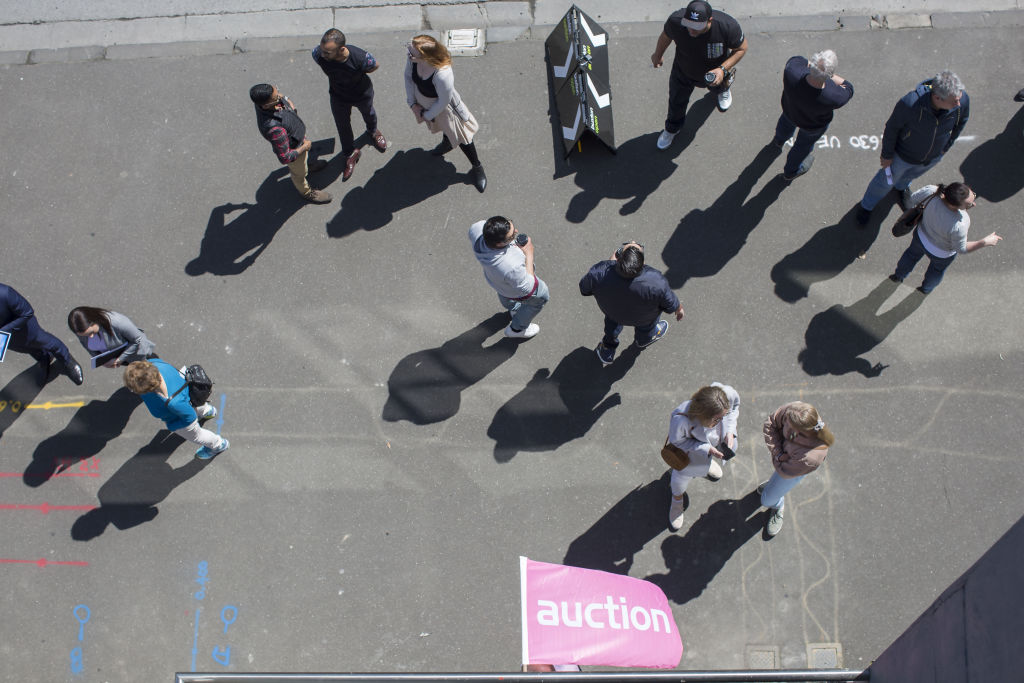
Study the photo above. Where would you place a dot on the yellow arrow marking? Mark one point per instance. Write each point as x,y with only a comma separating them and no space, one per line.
50,404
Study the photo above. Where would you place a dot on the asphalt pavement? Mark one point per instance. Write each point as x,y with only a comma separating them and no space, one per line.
392,455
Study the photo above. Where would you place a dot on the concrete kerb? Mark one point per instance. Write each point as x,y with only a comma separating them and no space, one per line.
503,24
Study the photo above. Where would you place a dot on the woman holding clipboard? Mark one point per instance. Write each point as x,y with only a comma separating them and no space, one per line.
111,338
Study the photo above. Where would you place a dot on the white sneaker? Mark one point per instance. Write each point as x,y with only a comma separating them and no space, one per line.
715,473
724,100
675,513
531,331
666,138
775,521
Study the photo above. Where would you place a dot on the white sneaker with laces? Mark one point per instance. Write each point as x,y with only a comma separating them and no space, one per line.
665,139
724,100
675,513
531,331
775,520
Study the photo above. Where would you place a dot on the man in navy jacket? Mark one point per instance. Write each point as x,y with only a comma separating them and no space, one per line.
922,127
18,318
629,293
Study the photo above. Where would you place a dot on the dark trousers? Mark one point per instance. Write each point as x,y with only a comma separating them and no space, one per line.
679,90
39,344
641,333
936,264
342,112
802,146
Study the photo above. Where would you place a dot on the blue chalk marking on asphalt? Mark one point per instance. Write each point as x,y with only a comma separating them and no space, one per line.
220,413
234,615
77,665
82,621
195,639
225,655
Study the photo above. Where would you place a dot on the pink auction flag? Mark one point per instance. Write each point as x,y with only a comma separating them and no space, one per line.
584,616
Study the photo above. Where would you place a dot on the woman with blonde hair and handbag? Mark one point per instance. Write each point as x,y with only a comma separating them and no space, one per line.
798,441
430,93
700,427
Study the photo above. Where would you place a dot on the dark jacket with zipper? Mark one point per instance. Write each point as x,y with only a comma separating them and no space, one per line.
919,133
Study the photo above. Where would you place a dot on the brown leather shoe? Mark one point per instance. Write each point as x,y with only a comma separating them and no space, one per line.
317,165
318,197
379,142
350,164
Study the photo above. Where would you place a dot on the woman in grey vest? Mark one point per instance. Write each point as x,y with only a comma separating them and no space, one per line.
101,331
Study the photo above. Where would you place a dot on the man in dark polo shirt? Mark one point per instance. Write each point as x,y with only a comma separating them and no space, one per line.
346,67
811,92
629,293
709,44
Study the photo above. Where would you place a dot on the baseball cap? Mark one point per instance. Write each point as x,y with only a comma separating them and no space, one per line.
697,15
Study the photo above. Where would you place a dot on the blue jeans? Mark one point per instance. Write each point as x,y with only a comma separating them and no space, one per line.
802,146
523,312
903,173
778,486
936,267
641,333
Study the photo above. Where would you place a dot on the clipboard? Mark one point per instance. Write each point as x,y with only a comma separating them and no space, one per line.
107,356
5,339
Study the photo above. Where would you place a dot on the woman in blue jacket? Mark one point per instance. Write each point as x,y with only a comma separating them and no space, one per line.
162,388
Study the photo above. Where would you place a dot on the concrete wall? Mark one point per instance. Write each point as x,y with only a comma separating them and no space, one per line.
973,632
57,24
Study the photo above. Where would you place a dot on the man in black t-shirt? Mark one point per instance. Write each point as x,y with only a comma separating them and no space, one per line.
709,44
346,67
811,92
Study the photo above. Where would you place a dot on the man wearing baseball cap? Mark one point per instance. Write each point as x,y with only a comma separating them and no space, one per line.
709,44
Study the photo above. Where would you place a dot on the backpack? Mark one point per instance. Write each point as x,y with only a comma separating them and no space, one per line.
199,384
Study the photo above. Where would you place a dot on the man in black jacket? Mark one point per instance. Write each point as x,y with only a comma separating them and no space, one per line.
922,127
629,293
19,320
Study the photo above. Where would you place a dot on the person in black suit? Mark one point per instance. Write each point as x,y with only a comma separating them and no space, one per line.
18,318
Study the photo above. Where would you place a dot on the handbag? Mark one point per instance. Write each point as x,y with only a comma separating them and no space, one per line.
199,384
674,456
910,218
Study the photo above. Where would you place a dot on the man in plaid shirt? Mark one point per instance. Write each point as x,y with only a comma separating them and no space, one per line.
280,124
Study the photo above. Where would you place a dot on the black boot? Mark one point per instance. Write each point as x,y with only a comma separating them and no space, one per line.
442,148
479,179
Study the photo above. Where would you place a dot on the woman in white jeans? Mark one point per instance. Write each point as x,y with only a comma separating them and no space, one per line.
699,426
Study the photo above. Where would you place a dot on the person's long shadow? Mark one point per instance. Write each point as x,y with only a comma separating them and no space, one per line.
130,496
231,245
85,435
426,387
635,172
410,177
556,407
694,559
18,393
993,169
837,337
706,240
825,255
610,544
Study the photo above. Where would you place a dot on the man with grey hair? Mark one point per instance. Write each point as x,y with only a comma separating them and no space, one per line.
811,92
922,127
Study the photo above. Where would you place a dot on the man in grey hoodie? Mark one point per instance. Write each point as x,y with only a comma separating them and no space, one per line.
507,259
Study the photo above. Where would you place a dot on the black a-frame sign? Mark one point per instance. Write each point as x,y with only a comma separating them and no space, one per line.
578,58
